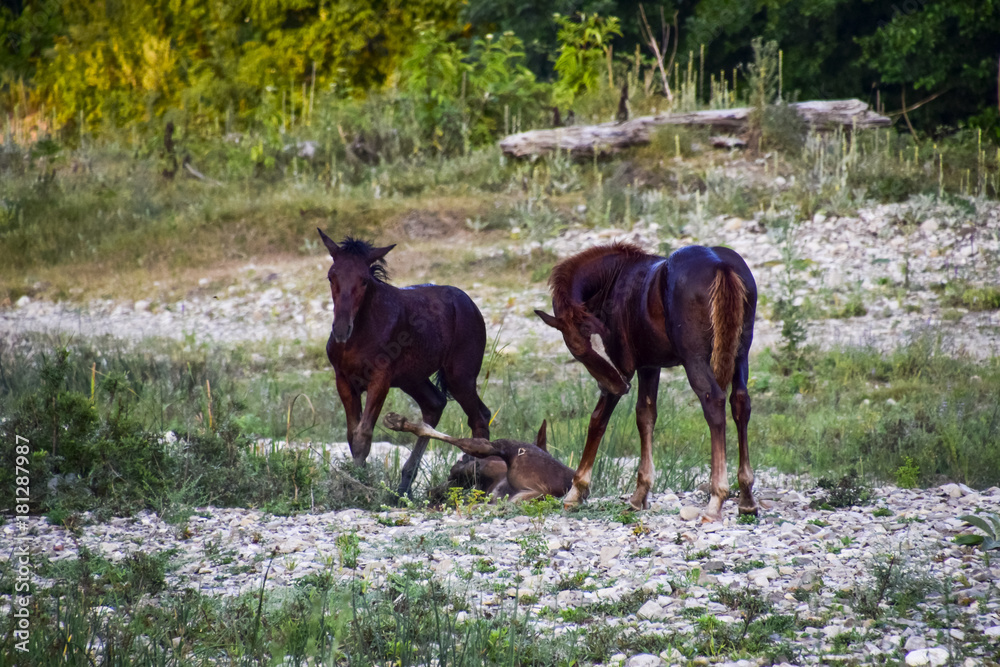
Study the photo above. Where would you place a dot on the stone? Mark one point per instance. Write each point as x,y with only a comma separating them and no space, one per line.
952,490
651,611
690,513
927,656
644,660
608,554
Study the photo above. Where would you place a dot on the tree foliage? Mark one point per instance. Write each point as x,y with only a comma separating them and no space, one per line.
465,68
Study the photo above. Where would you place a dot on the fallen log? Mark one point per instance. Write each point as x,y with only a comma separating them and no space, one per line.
585,140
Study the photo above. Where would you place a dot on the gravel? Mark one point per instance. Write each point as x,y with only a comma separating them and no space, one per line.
808,563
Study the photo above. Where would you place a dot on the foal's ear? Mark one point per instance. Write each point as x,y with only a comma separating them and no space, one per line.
591,325
330,244
376,254
552,321
540,440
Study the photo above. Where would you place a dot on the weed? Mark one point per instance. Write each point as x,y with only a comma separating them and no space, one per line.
484,566
848,491
891,580
746,566
349,548
907,474
539,508
961,295
573,581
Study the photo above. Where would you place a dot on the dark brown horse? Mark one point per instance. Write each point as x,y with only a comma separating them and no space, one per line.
529,470
623,311
384,336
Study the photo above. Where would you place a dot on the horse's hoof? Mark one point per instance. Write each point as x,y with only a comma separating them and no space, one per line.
393,421
749,511
639,504
575,496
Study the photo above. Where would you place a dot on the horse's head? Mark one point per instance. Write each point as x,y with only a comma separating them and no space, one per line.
356,265
585,341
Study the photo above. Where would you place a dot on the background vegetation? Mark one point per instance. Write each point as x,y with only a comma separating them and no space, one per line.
468,72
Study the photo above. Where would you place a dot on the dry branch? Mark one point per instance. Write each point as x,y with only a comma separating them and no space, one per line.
584,140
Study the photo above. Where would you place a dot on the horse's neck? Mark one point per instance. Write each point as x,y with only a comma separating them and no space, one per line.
378,297
607,280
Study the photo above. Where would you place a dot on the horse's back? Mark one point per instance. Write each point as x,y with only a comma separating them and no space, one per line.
445,320
691,274
693,268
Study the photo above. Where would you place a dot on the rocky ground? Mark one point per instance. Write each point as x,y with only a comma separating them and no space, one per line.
895,260
810,564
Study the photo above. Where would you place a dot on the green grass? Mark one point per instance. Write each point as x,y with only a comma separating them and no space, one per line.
913,410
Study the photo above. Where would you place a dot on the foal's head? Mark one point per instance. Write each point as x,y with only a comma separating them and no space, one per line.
356,264
585,341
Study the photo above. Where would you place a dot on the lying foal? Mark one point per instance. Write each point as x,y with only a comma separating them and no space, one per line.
531,470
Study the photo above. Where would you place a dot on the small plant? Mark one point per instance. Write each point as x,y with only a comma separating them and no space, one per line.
573,581
349,547
539,508
466,500
882,512
747,600
907,474
534,551
891,580
484,566
986,522
746,566
848,491
748,520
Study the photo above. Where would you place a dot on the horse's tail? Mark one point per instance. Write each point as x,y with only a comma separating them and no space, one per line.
439,381
727,295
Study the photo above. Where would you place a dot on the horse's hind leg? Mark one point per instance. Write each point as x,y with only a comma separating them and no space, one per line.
431,401
463,388
739,401
713,405
645,419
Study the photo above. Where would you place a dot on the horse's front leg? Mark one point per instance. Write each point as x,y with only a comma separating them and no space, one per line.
598,424
351,398
378,389
645,419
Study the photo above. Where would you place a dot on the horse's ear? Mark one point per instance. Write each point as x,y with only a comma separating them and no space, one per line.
552,321
591,325
541,441
330,244
376,254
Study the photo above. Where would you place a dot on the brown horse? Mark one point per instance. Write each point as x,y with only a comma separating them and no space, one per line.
384,336
623,311
530,471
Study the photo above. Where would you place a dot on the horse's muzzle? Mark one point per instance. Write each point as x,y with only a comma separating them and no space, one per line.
342,333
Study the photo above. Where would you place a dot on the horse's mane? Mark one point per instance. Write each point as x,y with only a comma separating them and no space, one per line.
361,248
562,280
